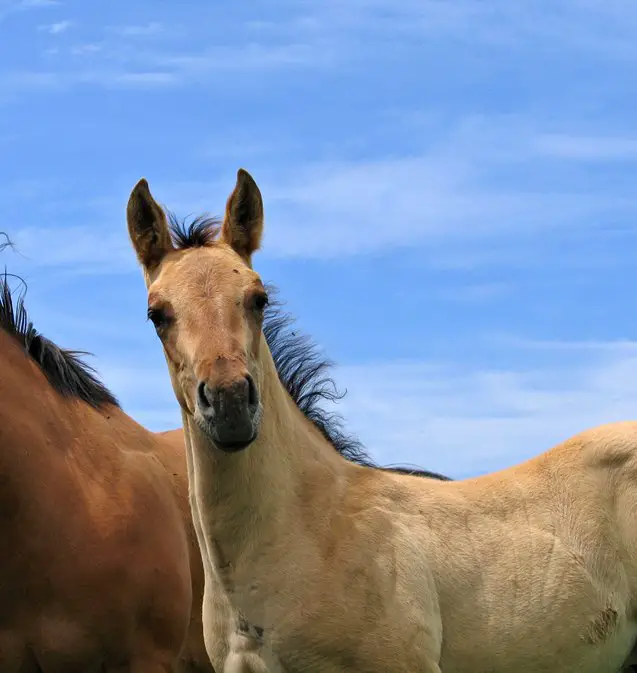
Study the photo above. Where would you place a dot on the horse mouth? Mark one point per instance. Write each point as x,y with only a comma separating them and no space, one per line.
229,445
234,446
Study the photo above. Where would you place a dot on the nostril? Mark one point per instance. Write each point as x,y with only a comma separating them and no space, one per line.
202,396
252,392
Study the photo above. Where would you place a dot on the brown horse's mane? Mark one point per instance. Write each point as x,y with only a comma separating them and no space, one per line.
302,370
64,369
7,243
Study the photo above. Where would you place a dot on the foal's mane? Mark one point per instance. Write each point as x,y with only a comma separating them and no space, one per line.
302,370
64,369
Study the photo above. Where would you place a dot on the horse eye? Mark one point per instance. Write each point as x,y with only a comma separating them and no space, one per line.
260,301
158,318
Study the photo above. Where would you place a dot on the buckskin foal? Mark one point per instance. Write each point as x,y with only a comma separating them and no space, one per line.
233,645
341,567
98,551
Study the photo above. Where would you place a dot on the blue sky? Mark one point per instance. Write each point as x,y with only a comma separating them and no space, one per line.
449,187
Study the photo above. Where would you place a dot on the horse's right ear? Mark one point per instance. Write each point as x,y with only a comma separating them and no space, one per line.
147,226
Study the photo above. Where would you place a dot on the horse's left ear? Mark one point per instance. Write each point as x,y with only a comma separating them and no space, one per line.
243,222
147,226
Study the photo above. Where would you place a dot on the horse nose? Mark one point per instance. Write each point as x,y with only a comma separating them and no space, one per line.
229,410
220,399
205,398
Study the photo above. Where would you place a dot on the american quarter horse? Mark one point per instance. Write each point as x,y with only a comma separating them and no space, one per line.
234,645
343,567
100,569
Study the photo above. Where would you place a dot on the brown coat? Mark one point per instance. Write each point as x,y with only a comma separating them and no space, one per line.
99,562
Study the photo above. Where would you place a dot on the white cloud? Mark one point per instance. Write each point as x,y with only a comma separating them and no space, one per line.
471,419
573,27
139,30
247,56
587,148
159,70
27,4
444,198
55,80
449,201
333,33
617,346
150,79
56,28
78,249
17,81
474,292
87,48
9,7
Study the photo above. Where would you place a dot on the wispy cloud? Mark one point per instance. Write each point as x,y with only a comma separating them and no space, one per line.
472,419
331,34
78,249
53,80
87,48
249,56
444,200
588,148
618,347
56,28
10,7
550,30
133,79
122,68
445,196
474,292
606,30
139,30
34,4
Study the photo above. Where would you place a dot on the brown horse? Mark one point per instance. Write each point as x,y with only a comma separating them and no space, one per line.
100,569
342,567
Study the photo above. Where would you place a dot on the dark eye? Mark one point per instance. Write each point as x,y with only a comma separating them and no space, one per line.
260,301
158,317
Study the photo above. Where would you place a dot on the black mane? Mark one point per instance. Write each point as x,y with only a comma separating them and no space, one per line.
7,243
64,369
195,233
302,370
305,375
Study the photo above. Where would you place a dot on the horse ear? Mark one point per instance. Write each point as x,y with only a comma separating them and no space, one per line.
243,222
147,226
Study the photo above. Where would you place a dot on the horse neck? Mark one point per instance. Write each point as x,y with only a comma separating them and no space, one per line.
256,494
